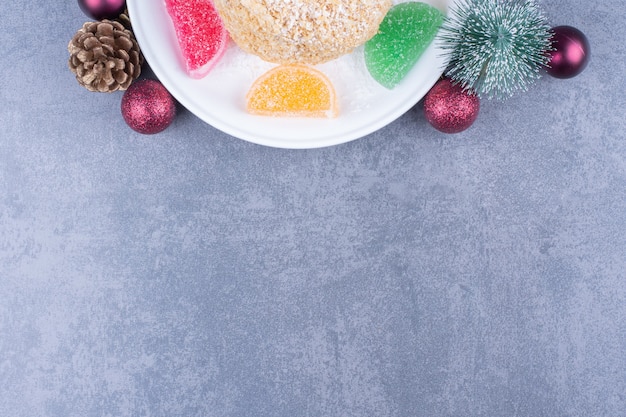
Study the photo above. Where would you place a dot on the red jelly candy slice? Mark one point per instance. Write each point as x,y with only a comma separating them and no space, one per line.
201,34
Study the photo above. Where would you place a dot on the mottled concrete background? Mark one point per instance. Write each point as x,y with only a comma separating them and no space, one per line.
409,273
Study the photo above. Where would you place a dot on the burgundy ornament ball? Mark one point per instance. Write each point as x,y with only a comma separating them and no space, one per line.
449,108
147,107
571,52
102,9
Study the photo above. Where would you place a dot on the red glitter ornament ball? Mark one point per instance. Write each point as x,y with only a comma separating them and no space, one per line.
102,9
147,107
449,108
571,52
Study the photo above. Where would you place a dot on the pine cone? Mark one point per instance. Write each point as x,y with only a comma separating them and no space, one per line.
105,56
124,19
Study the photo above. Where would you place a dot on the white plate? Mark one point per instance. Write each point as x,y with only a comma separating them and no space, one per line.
219,98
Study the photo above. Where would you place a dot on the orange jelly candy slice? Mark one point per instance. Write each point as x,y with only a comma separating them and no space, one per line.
293,90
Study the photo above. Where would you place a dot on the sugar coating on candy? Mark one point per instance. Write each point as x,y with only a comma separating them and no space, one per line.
292,90
201,34
301,31
404,34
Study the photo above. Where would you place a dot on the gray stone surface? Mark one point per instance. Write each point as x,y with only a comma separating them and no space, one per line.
408,273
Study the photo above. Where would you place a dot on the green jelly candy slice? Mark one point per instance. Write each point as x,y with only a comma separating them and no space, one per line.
403,35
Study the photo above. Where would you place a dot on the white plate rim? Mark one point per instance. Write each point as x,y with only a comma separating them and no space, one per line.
206,99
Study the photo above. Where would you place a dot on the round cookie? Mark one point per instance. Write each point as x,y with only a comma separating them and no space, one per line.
301,31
